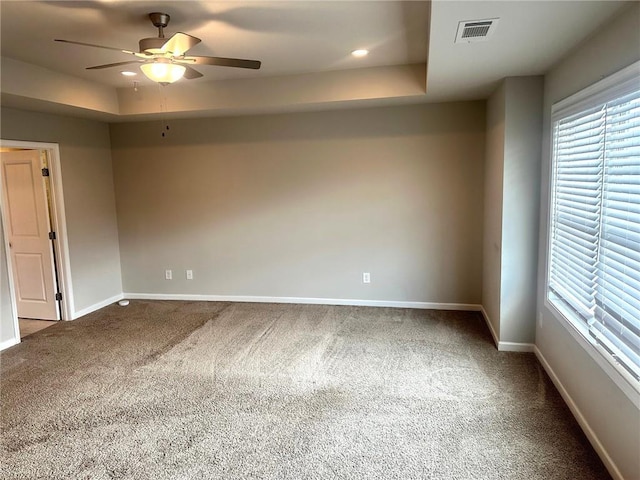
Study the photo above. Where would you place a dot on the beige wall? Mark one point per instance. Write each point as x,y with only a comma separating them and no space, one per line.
87,179
520,209
609,413
511,191
22,80
299,205
288,93
492,230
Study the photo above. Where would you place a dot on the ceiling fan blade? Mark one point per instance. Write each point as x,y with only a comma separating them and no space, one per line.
224,62
129,52
191,73
179,43
109,65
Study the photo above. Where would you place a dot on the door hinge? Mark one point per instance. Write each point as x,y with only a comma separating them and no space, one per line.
45,172
58,296
52,235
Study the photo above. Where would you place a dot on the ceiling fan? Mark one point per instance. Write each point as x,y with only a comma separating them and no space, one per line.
165,60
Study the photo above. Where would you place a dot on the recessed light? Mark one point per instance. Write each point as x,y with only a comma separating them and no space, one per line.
360,53
129,74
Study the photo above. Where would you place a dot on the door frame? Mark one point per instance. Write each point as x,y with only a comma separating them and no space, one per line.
58,219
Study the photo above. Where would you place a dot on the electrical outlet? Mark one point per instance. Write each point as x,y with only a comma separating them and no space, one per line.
189,274
168,275
366,277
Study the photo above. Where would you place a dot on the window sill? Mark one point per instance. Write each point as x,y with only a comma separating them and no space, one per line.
617,373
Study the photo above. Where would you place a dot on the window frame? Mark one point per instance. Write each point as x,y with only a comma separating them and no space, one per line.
600,92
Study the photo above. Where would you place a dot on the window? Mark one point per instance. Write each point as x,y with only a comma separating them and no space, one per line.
594,236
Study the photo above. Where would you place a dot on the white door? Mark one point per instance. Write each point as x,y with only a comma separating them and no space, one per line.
26,212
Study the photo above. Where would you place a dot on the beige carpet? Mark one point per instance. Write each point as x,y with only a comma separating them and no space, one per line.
191,390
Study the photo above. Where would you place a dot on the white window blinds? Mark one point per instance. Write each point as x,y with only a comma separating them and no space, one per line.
594,257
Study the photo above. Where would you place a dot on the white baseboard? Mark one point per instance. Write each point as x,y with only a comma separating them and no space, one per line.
303,301
9,343
582,421
505,346
515,347
496,340
97,306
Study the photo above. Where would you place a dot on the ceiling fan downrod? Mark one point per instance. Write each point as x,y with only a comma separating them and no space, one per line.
160,21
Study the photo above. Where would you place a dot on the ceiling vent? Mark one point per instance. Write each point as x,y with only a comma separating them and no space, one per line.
476,30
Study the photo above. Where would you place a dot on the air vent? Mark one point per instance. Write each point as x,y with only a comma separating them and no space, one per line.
476,30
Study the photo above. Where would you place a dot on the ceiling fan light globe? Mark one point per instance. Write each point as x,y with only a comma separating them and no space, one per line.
163,72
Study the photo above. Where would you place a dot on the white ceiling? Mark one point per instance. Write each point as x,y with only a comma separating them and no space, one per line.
300,37
530,37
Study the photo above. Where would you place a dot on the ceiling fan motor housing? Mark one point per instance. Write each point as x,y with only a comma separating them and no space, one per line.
159,20
151,45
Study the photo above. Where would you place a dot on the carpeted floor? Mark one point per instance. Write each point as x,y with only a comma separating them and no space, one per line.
198,390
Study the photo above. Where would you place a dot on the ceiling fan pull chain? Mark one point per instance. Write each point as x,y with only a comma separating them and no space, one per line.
163,109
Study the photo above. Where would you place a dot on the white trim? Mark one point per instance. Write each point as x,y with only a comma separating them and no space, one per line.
516,347
12,297
9,343
619,83
582,421
304,300
97,306
496,340
505,346
60,225
59,222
